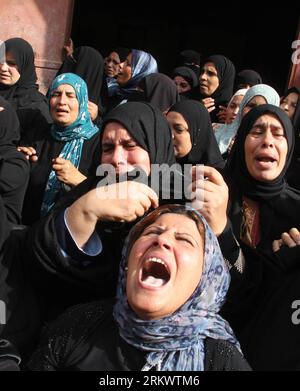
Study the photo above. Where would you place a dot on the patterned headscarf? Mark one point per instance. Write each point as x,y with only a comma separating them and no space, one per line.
176,342
143,64
73,135
225,133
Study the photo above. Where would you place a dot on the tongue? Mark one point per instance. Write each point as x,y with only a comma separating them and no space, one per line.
150,280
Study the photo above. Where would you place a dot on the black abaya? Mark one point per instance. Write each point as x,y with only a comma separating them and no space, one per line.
93,343
14,168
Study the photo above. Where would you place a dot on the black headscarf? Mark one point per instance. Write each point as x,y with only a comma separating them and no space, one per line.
205,149
157,89
226,74
248,76
189,75
148,127
279,203
87,63
188,57
25,90
122,52
191,59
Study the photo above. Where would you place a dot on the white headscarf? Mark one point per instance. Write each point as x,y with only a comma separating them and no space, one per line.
238,93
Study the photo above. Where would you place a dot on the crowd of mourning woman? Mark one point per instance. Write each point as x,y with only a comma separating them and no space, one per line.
148,221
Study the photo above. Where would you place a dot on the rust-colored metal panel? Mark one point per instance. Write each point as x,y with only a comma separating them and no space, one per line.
46,24
294,80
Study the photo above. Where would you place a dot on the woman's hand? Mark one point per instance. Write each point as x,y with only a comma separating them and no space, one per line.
93,110
66,172
69,47
210,196
119,202
29,152
125,201
222,114
289,239
209,103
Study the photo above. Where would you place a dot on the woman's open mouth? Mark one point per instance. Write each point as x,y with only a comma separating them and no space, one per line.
155,273
62,111
265,161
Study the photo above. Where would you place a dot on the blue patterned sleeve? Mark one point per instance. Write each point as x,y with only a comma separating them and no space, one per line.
69,247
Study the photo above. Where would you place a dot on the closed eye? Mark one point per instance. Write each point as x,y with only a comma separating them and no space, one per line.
107,147
71,95
152,231
185,238
256,132
179,129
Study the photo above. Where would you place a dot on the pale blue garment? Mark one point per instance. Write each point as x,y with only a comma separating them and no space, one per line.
225,133
221,129
176,342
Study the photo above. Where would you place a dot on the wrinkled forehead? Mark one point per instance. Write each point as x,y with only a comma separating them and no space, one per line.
270,119
183,222
113,56
68,88
175,220
115,131
210,66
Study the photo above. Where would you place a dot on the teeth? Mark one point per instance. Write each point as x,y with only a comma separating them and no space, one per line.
154,259
153,274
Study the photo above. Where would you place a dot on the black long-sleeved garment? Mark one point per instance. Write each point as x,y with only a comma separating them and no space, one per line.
14,168
86,338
